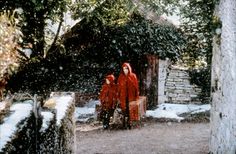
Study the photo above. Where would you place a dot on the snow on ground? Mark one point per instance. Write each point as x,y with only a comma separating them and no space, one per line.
20,112
87,112
172,111
166,110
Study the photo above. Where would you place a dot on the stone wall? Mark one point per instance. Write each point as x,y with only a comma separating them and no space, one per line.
40,130
17,132
174,85
65,126
178,88
48,132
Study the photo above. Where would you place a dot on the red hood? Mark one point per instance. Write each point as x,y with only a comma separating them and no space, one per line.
128,66
111,78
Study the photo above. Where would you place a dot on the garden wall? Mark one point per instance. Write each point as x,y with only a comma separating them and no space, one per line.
174,85
28,128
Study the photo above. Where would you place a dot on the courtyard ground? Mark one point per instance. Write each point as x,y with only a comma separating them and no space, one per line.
151,138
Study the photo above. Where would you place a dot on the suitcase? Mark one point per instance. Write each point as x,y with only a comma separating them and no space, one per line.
137,109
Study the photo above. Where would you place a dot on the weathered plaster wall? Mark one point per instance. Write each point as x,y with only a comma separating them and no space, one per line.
162,76
223,112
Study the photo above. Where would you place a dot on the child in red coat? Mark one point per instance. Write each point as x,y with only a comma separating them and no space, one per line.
108,99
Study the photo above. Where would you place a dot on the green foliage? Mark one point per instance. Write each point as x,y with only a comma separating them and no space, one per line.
85,7
108,12
201,78
10,34
197,25
33,15
138,37
142,37
107,47
92,51
160,7
216,26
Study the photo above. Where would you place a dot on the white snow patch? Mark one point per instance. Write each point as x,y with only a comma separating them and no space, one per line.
166,110
20,112
47,117
173,111
62,103
202,108
83,114
163,114
92,103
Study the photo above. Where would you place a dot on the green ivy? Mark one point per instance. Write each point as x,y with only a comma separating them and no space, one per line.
137,37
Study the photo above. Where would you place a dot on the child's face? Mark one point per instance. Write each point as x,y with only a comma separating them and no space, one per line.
126,70
107,81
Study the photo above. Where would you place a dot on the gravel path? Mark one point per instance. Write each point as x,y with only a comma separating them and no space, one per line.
152,138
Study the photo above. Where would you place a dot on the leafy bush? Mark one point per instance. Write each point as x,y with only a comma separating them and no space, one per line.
9,36
202,78
9,56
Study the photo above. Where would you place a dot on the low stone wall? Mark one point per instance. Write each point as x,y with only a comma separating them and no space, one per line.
178,88
65,126
47,142
17,132
47,130
174,85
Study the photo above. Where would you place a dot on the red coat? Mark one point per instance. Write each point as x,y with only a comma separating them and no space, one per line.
108,94
127,87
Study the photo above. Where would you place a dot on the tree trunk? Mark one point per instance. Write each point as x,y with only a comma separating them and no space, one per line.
39,34
149,80
223,84
34,31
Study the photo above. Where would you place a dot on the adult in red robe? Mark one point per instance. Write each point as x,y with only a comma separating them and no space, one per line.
128,89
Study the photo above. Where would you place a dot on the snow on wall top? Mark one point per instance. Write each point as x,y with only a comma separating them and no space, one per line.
62,103
20,111
47,117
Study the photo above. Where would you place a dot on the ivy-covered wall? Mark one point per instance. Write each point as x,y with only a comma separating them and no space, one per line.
90,51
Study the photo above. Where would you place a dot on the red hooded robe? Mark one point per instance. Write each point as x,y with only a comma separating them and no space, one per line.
108,94
127,87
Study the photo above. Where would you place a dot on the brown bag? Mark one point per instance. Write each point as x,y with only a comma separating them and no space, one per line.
117,116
